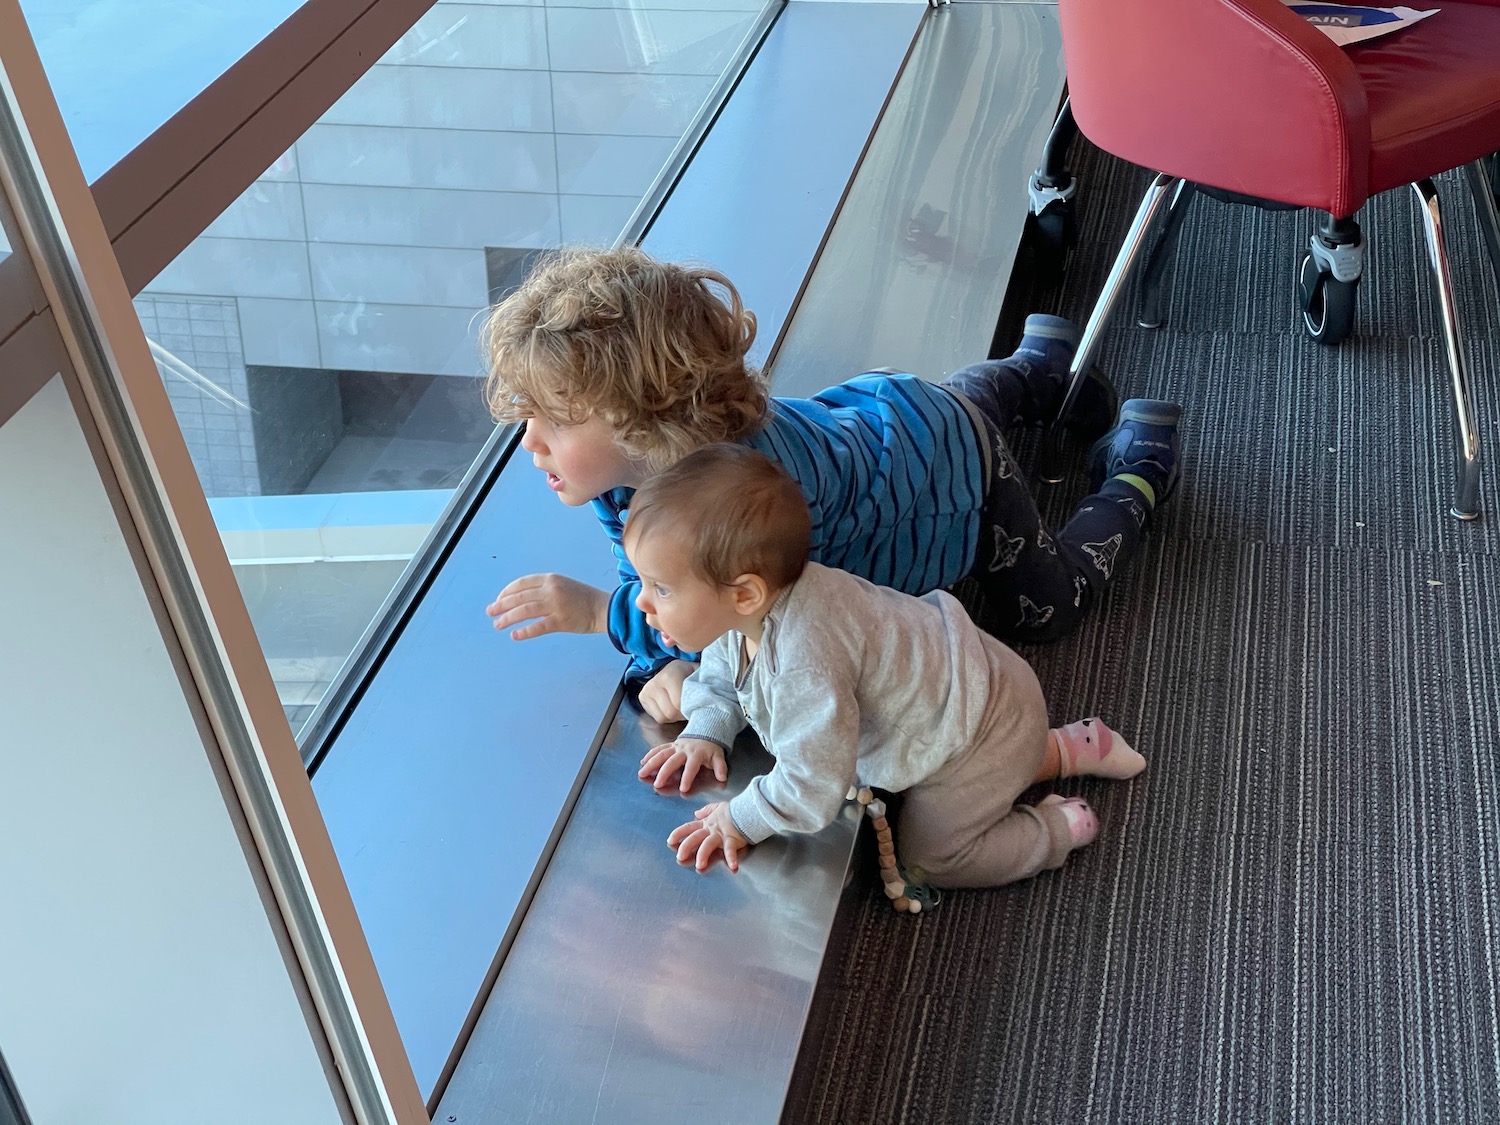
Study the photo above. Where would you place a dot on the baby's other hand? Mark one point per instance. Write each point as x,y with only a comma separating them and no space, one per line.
712,833
661,697
552,603
687,755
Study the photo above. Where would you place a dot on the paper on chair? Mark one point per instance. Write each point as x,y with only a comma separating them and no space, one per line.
1353,23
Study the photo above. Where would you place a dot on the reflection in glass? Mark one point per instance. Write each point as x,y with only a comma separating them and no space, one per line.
318,342
113,96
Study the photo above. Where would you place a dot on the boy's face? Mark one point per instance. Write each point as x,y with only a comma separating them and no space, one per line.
688,611
581,461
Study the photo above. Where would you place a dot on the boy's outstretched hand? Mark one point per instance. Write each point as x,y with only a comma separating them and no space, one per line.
686,756
553,604
661,696
710,834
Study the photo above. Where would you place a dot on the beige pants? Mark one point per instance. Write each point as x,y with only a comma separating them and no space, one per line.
961,827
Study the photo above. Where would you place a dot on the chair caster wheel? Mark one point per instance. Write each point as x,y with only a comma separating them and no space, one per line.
1051,235
1325,302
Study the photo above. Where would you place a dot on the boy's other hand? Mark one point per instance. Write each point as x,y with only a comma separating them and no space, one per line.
661,696
551,603
686,756
710,834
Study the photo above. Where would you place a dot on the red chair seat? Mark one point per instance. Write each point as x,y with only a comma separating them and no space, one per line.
1433,92
1246,96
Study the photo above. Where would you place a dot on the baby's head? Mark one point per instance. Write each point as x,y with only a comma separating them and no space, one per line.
715,538
654,350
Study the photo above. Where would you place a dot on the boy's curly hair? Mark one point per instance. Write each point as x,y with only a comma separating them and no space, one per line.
656,350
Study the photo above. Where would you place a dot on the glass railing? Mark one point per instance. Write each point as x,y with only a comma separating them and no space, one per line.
318,341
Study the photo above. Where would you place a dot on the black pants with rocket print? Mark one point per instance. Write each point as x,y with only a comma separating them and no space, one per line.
1028,584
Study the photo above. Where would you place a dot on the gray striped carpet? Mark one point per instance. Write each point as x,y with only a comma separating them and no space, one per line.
1294,914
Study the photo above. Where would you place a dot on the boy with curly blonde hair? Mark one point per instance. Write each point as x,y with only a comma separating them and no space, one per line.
619,365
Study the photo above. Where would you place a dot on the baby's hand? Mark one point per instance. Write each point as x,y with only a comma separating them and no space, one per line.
688,755
711,833
558,605
661,697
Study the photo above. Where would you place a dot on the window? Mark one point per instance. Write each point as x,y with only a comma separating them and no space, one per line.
112,96
319,340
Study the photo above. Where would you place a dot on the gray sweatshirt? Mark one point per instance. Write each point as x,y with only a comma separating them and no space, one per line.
853,684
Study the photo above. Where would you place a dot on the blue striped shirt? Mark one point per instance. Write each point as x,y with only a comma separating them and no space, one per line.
892,472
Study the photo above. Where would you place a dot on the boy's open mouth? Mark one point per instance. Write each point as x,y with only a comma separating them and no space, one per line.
554,482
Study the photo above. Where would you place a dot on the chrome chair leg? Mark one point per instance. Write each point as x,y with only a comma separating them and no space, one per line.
1466,501
1489,216
1149,315
1050,460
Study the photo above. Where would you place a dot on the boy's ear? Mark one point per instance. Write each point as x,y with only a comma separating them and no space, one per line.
752,594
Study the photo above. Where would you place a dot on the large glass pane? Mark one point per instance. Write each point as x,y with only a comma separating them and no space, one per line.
319,340
119,69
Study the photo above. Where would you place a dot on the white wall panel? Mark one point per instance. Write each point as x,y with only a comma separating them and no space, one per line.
634,39
657,105
237,267
465,220
279,333
268,209
398,275
475,35
141,982
402,338
595,219
440,158
670,5
619,165
432,97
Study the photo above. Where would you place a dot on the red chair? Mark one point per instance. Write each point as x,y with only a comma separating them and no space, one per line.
1244,99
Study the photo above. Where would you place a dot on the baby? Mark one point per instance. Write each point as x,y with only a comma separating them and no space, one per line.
846,684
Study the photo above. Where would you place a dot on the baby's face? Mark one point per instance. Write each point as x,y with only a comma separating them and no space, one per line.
581,460
688,610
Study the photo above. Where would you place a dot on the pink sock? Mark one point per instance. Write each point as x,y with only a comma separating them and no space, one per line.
1089,748
1083,824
